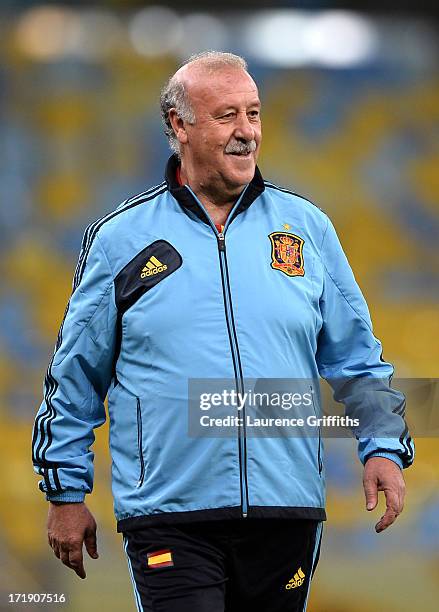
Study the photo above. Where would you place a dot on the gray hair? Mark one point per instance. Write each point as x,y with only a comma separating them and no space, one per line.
174,95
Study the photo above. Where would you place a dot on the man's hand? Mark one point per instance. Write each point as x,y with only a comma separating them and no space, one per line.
381,474
69,526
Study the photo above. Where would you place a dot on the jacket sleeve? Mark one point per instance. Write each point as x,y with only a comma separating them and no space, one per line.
77,380
349,357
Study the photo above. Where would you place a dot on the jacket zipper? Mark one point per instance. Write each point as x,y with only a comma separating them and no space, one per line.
237,368
319,457
140,444
239,379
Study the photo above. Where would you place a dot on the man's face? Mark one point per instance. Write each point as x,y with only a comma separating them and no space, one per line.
224,142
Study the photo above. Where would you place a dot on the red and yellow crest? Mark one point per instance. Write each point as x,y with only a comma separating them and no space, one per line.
287,253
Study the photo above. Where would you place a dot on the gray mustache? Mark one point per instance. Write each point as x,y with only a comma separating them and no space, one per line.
241,147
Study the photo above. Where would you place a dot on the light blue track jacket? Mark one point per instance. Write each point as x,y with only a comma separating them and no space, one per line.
161,297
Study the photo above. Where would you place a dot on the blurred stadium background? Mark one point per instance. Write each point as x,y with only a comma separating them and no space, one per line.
350,117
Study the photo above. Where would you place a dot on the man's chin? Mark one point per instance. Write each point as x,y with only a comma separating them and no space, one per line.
240,170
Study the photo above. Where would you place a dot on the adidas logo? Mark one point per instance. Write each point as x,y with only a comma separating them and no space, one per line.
153,266
296,580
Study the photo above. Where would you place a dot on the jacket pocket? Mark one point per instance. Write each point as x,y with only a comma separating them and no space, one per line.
140,443
319,446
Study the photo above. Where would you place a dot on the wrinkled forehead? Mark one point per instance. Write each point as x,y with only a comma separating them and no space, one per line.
209,86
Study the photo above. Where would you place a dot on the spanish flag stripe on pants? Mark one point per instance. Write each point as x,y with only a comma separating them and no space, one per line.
160,558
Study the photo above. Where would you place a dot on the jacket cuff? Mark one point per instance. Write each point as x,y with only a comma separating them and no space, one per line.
392,456
66,496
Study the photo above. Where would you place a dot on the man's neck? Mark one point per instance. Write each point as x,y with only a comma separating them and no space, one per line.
218,203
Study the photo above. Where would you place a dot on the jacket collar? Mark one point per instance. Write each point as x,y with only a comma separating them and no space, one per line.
185,198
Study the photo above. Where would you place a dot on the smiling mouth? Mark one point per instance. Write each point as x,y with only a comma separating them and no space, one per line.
240,154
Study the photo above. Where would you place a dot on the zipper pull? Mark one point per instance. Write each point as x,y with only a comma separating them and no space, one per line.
221,242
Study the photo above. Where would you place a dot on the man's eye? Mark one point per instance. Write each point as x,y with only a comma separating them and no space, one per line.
228,116
254,113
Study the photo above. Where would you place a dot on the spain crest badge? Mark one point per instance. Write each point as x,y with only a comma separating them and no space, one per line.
287,253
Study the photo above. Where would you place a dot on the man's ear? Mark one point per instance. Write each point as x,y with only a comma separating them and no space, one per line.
178,126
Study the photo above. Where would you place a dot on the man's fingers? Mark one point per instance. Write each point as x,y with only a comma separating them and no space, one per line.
393,509
76,562
386,520
91,544
71,556
64,556
371,493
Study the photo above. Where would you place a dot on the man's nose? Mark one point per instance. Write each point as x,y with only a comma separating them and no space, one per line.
244,128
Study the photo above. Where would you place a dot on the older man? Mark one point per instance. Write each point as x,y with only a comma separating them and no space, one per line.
213,274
